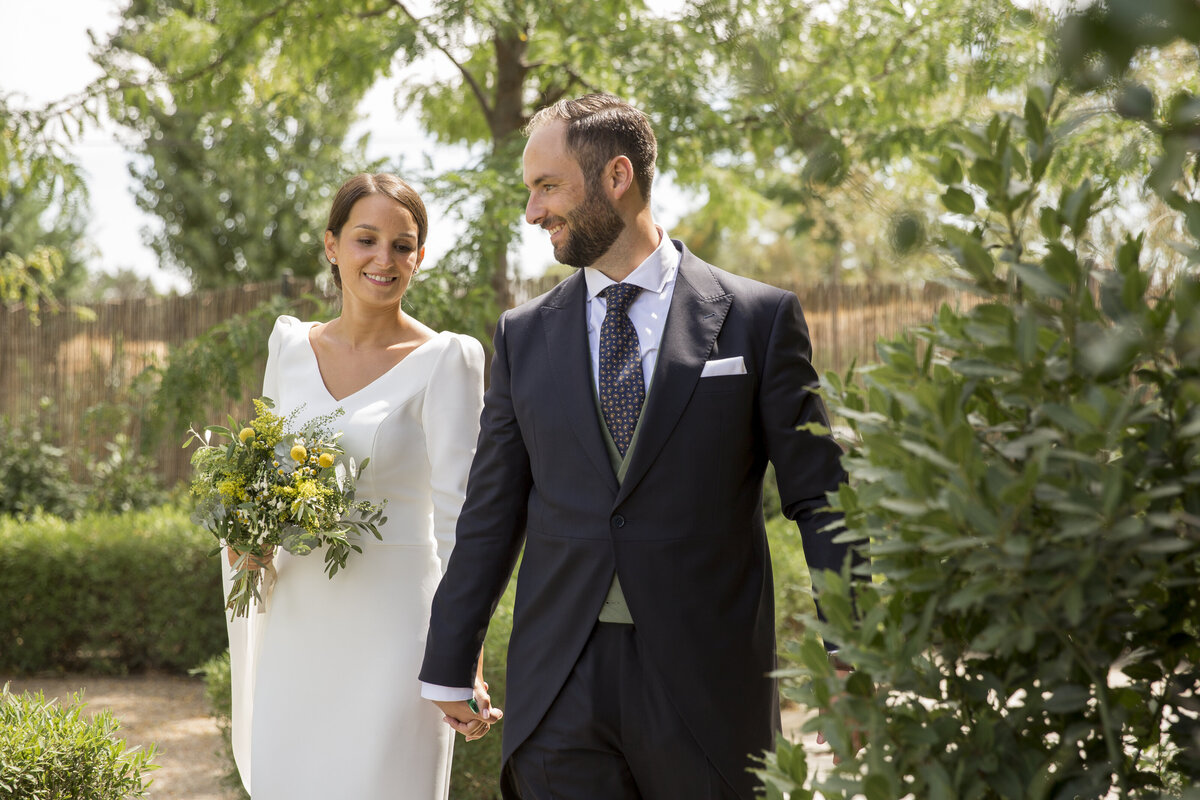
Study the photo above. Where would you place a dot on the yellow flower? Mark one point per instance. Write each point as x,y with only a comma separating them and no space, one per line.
325,461
232,491
246,433
299,453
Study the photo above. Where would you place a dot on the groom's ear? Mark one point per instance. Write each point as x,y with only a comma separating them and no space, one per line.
618,176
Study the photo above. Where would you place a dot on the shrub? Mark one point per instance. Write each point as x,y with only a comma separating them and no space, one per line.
50,752
123,479
107,593
36,477
1026,479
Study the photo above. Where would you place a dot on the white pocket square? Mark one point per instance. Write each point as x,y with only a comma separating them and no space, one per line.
724,366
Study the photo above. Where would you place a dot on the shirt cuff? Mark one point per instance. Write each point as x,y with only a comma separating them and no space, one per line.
445,694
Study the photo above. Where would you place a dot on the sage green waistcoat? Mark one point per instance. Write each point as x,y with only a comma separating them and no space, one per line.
615,609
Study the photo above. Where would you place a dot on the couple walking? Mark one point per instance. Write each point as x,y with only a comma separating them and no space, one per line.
621,443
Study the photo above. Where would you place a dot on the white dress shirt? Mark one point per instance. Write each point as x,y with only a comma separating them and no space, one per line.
648,312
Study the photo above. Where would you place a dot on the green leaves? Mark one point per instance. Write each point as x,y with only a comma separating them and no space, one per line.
154,569
1023,478
958,201
49,749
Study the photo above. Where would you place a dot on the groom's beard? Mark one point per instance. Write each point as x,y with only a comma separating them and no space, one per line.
592,227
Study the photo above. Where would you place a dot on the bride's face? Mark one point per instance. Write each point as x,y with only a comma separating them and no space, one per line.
376,252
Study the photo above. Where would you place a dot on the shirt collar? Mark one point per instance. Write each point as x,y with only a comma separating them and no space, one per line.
652,275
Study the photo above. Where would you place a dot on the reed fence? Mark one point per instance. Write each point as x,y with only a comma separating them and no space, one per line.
74,365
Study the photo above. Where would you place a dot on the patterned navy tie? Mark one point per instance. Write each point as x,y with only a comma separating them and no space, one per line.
622,387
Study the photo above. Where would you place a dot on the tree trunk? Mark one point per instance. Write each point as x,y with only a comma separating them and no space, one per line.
506,119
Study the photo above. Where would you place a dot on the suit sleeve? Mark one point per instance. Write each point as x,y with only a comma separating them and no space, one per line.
490,533
807,465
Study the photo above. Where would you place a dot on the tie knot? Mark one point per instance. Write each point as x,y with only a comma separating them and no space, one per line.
620,295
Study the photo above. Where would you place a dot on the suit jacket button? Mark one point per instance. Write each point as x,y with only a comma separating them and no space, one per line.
618,521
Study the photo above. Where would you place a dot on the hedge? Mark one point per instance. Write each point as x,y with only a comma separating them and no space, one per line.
108,593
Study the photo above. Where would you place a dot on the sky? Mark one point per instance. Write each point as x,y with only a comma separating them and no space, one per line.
44,56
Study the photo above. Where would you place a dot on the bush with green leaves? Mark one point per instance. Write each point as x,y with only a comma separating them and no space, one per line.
122,479
52,751
108,593
1025,477
35,474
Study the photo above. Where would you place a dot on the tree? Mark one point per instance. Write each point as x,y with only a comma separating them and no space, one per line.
1117,49
238,75
243,142
42,211
821,117
810,141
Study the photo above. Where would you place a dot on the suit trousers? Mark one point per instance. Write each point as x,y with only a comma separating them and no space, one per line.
613,733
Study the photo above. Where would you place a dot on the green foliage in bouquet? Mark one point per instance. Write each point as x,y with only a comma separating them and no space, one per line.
49,751
270,486
107,593
1025,477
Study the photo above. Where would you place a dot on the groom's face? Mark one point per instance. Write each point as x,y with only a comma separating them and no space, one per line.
582,221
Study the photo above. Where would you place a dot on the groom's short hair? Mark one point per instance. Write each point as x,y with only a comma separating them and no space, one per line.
601,127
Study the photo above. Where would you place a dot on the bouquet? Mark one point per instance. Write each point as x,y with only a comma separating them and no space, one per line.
269,486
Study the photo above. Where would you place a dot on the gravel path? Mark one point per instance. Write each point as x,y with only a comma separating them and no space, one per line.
168,710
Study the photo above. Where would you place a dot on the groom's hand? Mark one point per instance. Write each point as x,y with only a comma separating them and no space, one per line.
470,723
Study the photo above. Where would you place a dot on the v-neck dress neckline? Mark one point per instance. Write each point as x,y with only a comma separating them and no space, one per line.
312,352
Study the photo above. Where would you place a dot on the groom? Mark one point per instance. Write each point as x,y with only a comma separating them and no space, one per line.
631,414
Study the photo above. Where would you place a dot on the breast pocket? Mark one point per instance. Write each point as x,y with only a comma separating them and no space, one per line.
723,400
720,384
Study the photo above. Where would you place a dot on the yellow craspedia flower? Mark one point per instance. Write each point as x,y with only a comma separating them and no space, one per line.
298,452
245,433
325,461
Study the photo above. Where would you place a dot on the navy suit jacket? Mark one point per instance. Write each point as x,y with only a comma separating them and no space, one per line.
684,530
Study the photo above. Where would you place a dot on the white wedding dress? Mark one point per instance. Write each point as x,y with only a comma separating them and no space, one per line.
326,701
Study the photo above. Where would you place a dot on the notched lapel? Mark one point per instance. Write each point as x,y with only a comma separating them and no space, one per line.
565,327
698,310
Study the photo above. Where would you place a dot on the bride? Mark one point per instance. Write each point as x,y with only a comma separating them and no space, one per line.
326,701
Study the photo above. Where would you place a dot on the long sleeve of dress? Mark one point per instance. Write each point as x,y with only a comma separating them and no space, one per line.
453,401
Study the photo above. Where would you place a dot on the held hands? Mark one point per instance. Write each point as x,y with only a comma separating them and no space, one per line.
472,723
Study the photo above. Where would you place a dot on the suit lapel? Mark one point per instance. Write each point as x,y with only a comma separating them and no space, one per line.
569,356
698,309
